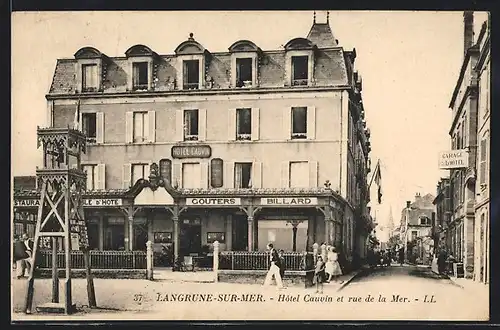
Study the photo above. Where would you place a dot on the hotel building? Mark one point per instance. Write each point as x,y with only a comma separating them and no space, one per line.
244,146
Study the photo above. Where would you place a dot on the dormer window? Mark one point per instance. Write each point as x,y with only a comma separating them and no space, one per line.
89,69
243,72
244,63
191,72
300,72
140,68
299,62
140,75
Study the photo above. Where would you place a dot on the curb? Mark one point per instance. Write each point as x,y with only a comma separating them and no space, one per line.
358,273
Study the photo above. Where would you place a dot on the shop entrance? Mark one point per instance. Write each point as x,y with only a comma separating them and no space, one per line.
190,237
240,233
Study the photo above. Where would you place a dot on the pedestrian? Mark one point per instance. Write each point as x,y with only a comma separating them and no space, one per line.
319,275
401,256
441,261
282,264
333,264
274,269
22,255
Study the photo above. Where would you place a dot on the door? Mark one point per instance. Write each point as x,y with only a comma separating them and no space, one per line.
190,237
240,233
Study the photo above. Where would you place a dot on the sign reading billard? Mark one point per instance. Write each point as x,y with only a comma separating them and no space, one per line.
454,159
289,201
194,151
213,201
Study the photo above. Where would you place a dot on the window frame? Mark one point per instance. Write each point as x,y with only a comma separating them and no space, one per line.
301,81
94,175
242,165
290,164
140,86
187,126
144,170
185,73
85,88
90,139
145,132
298,135
243,136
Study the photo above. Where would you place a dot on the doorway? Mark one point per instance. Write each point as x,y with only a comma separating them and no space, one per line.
190,237
240,233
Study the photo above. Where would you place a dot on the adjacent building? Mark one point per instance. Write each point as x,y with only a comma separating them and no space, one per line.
482,188
244,147
443,206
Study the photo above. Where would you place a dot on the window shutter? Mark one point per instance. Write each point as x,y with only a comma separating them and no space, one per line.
313,174
285,174
202,124
100,127
204,175
257,175
231,125
217,173
177,175
101,177
129,127
287,123
255,123
311,123
152,126
229,174
179,125
127,175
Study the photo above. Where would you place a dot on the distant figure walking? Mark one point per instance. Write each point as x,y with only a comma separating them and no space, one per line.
401,256
23,249
274,269
282,264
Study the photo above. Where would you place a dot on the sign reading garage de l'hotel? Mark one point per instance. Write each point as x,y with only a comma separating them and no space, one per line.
191,151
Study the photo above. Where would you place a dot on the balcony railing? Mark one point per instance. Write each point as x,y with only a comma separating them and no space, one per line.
191,138
299,136
244,137
140,87
299,82
191,85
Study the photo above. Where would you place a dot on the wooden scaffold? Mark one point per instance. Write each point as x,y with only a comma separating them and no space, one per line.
60,222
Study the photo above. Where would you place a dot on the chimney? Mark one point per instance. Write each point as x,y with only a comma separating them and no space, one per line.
468,30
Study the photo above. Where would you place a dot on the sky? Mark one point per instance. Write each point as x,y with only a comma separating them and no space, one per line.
409,63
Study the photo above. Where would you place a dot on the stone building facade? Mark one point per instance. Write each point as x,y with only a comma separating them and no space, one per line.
244,146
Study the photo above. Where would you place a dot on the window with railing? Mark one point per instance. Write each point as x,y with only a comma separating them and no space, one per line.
89,126
244,124
191,74
299,122
300,71
89,78
191,125
140,76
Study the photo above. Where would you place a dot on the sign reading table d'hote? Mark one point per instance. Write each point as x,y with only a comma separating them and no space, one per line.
289,201
98,202
191,151
213,201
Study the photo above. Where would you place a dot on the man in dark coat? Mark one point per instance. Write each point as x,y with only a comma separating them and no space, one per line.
23,249
274,269
401,256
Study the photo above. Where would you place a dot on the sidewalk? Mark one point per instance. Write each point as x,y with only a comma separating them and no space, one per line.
471,286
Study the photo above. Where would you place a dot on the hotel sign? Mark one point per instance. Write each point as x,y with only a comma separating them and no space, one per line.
194,151
289,201
213,201
100,202
454,159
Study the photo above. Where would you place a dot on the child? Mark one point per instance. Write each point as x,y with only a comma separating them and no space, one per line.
319,274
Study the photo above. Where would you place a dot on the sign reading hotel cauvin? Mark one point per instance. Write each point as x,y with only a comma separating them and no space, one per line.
99,202
194,151
214,201
289,201
453,159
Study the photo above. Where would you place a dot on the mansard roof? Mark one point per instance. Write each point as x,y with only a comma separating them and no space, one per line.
244,46
299,43
139,50
88,52
321,35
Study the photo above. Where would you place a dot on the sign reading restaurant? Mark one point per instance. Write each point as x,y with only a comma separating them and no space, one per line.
214,201
195,151
289,201
100,202
454,159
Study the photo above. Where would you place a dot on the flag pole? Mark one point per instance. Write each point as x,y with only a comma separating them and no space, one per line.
374,173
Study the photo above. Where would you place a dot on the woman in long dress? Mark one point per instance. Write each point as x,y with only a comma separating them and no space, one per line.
329,263
336,271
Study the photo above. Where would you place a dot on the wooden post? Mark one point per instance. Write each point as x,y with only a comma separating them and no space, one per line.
55,272
90,280
250,233
68,298
216,262
149,260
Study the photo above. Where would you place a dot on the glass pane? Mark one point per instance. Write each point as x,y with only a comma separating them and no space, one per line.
299,120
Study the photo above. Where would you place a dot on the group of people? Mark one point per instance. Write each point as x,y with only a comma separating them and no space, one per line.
327,267
23,253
